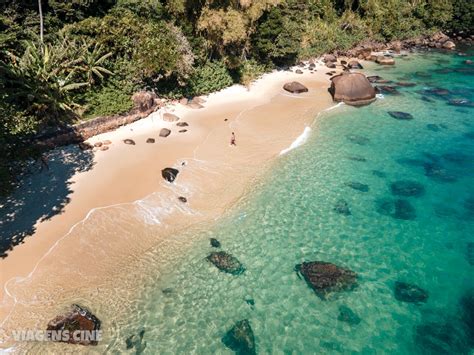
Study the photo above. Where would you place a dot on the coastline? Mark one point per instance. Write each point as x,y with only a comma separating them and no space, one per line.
266,121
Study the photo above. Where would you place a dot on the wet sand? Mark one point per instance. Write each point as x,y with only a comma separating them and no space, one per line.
122,207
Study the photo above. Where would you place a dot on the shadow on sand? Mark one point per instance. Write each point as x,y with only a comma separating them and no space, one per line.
42,193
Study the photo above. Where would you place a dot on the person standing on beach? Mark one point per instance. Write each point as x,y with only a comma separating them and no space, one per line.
232,139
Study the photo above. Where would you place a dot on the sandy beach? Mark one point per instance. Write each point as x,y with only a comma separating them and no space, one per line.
69,252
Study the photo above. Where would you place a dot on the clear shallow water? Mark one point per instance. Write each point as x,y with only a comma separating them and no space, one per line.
289,217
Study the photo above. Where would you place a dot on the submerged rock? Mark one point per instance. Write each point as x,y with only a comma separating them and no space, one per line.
436,171
342,207
357,139
169,174
379,173
410,293
325,278
407,188
387,89
398,209
240,338
441,338
357,158
215,243
226,262
433,127
467,314
136,341
348,315
470,253
374,78
405,83
358,186
295,87
400,115
76,319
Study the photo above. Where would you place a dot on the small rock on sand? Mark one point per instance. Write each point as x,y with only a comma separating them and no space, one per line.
165,132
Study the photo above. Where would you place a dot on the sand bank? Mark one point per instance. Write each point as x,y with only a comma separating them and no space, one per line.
114,204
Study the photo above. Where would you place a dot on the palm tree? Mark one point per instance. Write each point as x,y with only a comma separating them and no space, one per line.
92,62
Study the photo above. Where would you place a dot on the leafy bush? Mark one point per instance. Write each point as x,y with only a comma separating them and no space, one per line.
109,100
213,76
249,71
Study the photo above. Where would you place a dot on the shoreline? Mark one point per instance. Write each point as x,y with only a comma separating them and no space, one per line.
266,120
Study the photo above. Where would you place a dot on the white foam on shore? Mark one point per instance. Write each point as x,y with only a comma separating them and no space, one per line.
380,96
300,140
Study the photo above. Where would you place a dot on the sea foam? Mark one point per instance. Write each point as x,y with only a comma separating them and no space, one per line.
302,138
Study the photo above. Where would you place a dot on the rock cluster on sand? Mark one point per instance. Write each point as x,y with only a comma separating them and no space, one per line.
410,293
325,278
226,262
76,319
352,89
295,87
169,174
240,338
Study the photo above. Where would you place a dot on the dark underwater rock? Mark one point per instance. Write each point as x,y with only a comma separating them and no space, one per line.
342,207
401,115
76,319
387,89
215,243
357,139
348,315
440,338
136,341
379,174
469,205
407,188
325,278
439,173
169,174
374,78
358,186
409,293
433,127
398,209
405,83
226,262
460,102
240,338
467,314
357,158
426,99
459,158
470,253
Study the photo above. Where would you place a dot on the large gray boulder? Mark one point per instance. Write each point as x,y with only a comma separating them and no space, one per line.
352,89
295,87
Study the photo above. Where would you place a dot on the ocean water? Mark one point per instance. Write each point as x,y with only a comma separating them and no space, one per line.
289,217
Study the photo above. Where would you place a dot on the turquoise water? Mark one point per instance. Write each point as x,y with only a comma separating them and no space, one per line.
289,217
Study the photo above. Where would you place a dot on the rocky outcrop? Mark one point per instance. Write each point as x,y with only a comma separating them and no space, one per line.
326,278
165,132
226,262
240,338
144,100
329,58
169,117
410,293
295,87
449,45
169,174
382,60
352,89
69,324
354,64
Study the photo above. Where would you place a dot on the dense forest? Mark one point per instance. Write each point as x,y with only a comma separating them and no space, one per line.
64,60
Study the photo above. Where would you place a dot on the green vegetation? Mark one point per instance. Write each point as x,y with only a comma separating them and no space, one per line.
61,61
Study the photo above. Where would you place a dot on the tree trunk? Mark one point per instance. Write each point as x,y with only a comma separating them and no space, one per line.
41,21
